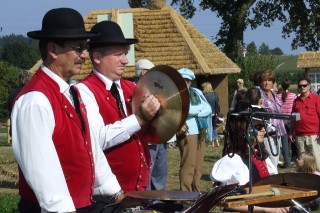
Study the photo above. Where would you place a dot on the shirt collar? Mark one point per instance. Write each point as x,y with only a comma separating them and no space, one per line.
63,86
106,80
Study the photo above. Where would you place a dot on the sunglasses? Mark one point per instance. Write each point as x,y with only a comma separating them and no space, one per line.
80,48
302,85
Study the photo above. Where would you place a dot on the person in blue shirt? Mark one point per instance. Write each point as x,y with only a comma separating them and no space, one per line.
192,136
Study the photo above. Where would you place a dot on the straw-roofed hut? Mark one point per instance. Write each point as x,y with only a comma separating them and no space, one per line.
310,62
166,38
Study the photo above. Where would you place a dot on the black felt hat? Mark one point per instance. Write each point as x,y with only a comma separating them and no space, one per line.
61,23
110,33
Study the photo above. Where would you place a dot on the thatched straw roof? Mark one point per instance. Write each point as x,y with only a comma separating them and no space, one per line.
166,38
309,60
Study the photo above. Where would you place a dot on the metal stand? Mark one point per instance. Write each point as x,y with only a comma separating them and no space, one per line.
298,205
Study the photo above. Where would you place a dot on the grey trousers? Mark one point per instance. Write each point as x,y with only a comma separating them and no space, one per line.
159,170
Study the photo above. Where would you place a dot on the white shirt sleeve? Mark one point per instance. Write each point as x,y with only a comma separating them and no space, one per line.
271,168
32,128
230,171
106,182
111,134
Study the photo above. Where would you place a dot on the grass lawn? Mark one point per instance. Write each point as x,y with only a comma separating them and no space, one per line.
3,130
8,175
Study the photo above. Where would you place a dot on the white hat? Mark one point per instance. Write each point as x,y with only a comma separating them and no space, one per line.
187,73
143,64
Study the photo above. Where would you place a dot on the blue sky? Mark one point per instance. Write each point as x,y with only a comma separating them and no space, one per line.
21,16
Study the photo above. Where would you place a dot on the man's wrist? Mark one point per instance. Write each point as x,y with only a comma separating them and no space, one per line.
114,198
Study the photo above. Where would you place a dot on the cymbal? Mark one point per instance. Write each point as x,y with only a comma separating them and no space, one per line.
169,87
164,195
299,180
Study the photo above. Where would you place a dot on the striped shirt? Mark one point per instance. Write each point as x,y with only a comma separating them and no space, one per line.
287,105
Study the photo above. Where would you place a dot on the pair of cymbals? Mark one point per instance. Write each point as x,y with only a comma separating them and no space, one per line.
169,87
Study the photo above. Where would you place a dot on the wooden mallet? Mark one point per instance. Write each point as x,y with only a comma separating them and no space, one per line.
272,192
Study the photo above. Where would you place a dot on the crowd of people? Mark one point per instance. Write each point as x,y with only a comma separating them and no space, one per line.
296,138
79,146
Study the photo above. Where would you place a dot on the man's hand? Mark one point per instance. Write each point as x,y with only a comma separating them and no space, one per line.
147,110
183,131
291,138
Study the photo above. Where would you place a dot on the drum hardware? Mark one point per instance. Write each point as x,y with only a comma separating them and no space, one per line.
176,201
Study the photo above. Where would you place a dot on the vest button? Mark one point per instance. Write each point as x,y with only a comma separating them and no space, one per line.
71,116
65,106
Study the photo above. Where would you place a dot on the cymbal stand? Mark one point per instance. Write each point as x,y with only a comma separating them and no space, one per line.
298,205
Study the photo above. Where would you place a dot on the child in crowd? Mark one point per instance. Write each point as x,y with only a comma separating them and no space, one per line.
307,163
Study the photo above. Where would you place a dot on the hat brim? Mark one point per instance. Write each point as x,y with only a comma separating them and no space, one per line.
111,42
42,36
188,77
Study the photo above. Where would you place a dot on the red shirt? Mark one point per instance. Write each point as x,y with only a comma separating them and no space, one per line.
309,110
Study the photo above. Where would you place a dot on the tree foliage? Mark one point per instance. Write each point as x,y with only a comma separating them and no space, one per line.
264,49
252,49
19,51
136,3
300,18
276,51
8,81
250,65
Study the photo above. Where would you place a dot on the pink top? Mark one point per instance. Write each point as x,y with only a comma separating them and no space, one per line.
287,105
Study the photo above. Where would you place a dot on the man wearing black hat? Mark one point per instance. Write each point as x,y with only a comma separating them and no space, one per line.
60,166
108,100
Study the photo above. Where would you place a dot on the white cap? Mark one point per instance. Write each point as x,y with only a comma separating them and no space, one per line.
187,73
143,64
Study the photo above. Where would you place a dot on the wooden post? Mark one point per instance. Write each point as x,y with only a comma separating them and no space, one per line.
8,131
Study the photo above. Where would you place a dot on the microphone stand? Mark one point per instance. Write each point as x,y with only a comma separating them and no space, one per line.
250,207
263,116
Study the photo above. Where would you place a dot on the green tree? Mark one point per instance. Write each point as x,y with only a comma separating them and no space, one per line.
264,49
276,51
8,81
137,3
300,18
19,51
252,49
20,54
249,66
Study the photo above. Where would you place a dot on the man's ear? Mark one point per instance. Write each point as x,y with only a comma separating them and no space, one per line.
143,72
96,56
51,46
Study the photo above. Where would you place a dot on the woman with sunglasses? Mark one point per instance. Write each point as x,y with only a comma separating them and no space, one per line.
233,168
